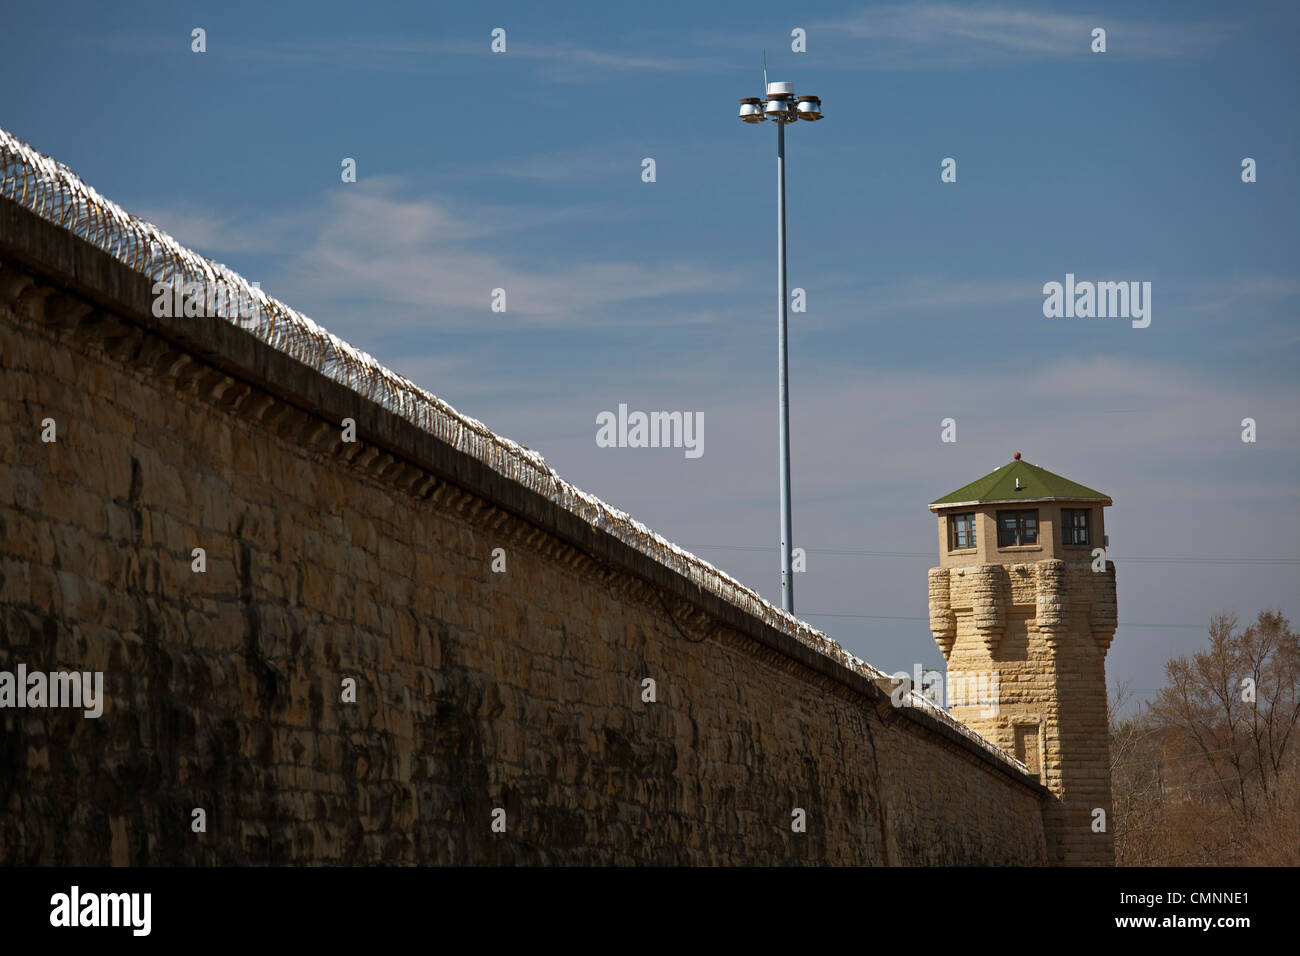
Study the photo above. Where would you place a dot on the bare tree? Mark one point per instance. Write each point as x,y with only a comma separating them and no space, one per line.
1137,781
1208,772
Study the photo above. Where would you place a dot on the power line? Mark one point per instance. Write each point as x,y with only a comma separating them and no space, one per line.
873,617
930,555
891,617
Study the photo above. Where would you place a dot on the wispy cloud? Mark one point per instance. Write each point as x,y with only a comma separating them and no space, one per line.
929,291
214,233
378,244
413,260
562,61
869,455
946,36
575,166
386,54
1232,294
902,36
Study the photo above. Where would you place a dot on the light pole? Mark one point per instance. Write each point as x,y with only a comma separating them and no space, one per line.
782,107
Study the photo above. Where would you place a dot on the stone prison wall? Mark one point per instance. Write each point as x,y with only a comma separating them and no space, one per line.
476,691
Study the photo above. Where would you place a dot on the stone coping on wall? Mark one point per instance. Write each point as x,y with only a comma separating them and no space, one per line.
108,270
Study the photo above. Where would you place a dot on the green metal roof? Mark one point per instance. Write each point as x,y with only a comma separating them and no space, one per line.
1036,484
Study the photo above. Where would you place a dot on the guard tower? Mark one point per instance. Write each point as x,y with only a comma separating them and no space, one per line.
1022,606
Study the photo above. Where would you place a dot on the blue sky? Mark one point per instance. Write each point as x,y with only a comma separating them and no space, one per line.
522,171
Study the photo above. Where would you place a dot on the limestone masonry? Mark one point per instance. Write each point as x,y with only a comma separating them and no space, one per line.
497,717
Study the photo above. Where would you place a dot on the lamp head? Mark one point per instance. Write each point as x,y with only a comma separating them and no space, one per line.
810,108
780,102
751,110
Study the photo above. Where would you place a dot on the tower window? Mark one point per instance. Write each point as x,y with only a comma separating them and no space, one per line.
1017,528
1074,526
961,531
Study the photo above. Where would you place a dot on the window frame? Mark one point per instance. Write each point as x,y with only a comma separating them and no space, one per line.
1019,534
1068,529
970,531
